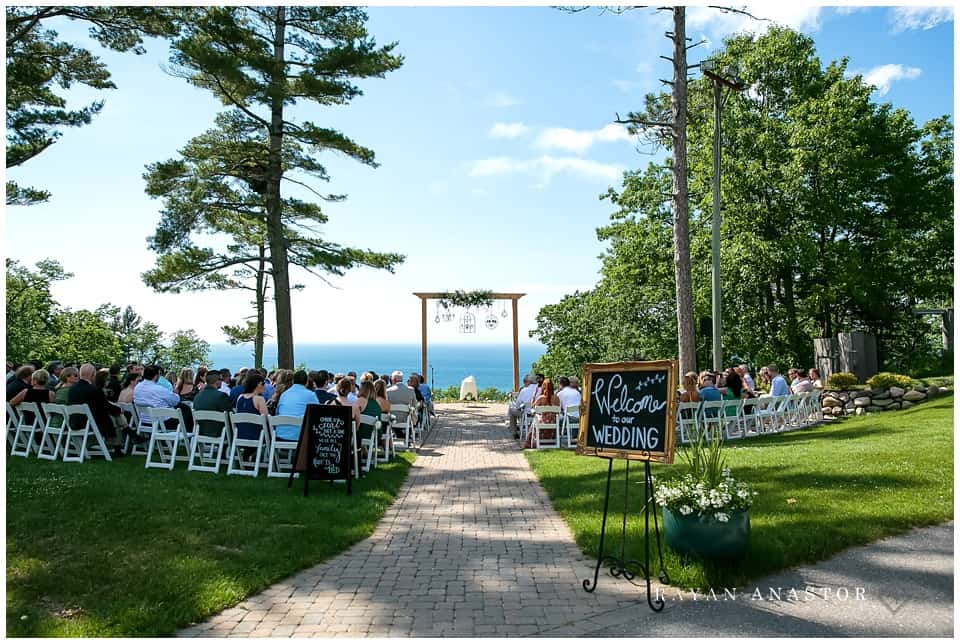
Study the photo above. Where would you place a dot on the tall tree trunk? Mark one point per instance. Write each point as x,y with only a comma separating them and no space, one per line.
681,213
278,247
261,308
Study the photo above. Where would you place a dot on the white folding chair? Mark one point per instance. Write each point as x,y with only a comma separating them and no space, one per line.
31,421
281,451
13,419
523,422
130,411
688,417
570,425
711,417
53,430
767,414
750,422
236,464
814,409
731,418
540,425
781,413
401,421
206,452
144,427
165,441
370,443
77,447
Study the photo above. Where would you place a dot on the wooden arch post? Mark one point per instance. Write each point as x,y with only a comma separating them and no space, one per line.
513,297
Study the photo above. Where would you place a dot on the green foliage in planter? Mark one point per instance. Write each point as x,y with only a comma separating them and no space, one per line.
885,380
841,380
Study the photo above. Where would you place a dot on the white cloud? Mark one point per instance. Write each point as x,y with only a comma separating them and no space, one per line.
502,99
544,168
881,77
508,130
904,18
846,11
579,141
715,24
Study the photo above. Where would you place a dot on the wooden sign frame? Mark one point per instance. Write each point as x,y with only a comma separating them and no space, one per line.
661,456
306,446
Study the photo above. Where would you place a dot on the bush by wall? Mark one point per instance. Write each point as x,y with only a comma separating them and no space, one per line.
885,380
841,380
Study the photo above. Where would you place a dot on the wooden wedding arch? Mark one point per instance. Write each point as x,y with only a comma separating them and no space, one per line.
513,297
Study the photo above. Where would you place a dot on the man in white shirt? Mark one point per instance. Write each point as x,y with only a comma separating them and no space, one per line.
569,397
149,392
524,400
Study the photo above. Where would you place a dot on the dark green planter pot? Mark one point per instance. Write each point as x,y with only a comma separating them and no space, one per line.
706,537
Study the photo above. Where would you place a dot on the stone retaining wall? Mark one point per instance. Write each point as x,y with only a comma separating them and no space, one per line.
858,402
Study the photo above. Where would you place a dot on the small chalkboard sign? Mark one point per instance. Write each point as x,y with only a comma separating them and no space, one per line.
629,410
323,451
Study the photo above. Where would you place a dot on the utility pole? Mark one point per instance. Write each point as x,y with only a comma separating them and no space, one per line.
729,78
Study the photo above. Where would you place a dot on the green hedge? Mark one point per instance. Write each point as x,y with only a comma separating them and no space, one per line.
885,380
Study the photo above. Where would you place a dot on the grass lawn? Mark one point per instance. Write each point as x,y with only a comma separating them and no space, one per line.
108,549
821,490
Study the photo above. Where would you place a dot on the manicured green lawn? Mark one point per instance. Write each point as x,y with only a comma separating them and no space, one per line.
820,490
108,549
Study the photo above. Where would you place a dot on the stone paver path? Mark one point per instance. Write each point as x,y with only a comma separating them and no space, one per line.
471,547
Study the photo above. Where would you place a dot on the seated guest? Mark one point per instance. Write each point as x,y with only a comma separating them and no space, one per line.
380,392
200,381
815,380
793,377
547,398
426,393
322,390
68,378
237,389
85,392
399,393
744,372
210,398
293,402
689,384
250,402
225,381
166,381
127,386
185,387
765,378
523,401
282,382
708,388
366,405
54,367
778,385
803,384
102,382
21,381
149,393
38,393
267,383
568,396
414,383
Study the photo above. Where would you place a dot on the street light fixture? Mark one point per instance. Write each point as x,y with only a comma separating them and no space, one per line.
728,76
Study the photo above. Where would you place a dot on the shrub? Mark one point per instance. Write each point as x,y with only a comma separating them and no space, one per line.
841,380
885,380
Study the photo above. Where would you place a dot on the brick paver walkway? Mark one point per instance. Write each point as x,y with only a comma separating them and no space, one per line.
471,547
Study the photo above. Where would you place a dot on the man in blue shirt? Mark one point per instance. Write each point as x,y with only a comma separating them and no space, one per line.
293,402
709,391
778,384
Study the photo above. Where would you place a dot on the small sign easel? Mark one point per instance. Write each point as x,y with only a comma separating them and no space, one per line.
628,412
324,449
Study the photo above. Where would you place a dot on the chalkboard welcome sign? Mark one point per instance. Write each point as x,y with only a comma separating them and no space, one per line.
629,410
323,451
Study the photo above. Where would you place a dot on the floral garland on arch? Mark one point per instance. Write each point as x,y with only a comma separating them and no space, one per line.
465,299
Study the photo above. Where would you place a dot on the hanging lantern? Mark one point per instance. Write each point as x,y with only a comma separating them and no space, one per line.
491,322
448,315
503,310
468,323
437,319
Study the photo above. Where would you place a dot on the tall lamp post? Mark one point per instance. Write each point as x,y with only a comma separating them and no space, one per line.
728,77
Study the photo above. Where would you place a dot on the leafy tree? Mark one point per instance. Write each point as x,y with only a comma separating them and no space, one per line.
836,217
32,313
38,62
185,350
262,61
84,337
139,341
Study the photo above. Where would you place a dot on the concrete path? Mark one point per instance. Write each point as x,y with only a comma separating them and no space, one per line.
473,548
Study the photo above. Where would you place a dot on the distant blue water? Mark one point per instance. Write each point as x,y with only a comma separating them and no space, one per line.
491,365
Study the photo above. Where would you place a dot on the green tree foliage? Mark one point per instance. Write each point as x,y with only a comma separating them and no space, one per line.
32,312
139,341
84,336
185,349
38,63
837,216
263,61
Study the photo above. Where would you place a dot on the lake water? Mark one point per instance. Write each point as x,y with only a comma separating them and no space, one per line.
447,364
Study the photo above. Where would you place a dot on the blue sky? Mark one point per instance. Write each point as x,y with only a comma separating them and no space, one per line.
495,140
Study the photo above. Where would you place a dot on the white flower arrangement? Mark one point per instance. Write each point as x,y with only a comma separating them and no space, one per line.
707,488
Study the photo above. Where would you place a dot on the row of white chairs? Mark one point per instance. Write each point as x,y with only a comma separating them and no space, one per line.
565,425
748,417
58,439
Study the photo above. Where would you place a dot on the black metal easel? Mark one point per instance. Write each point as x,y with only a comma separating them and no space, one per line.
618,565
